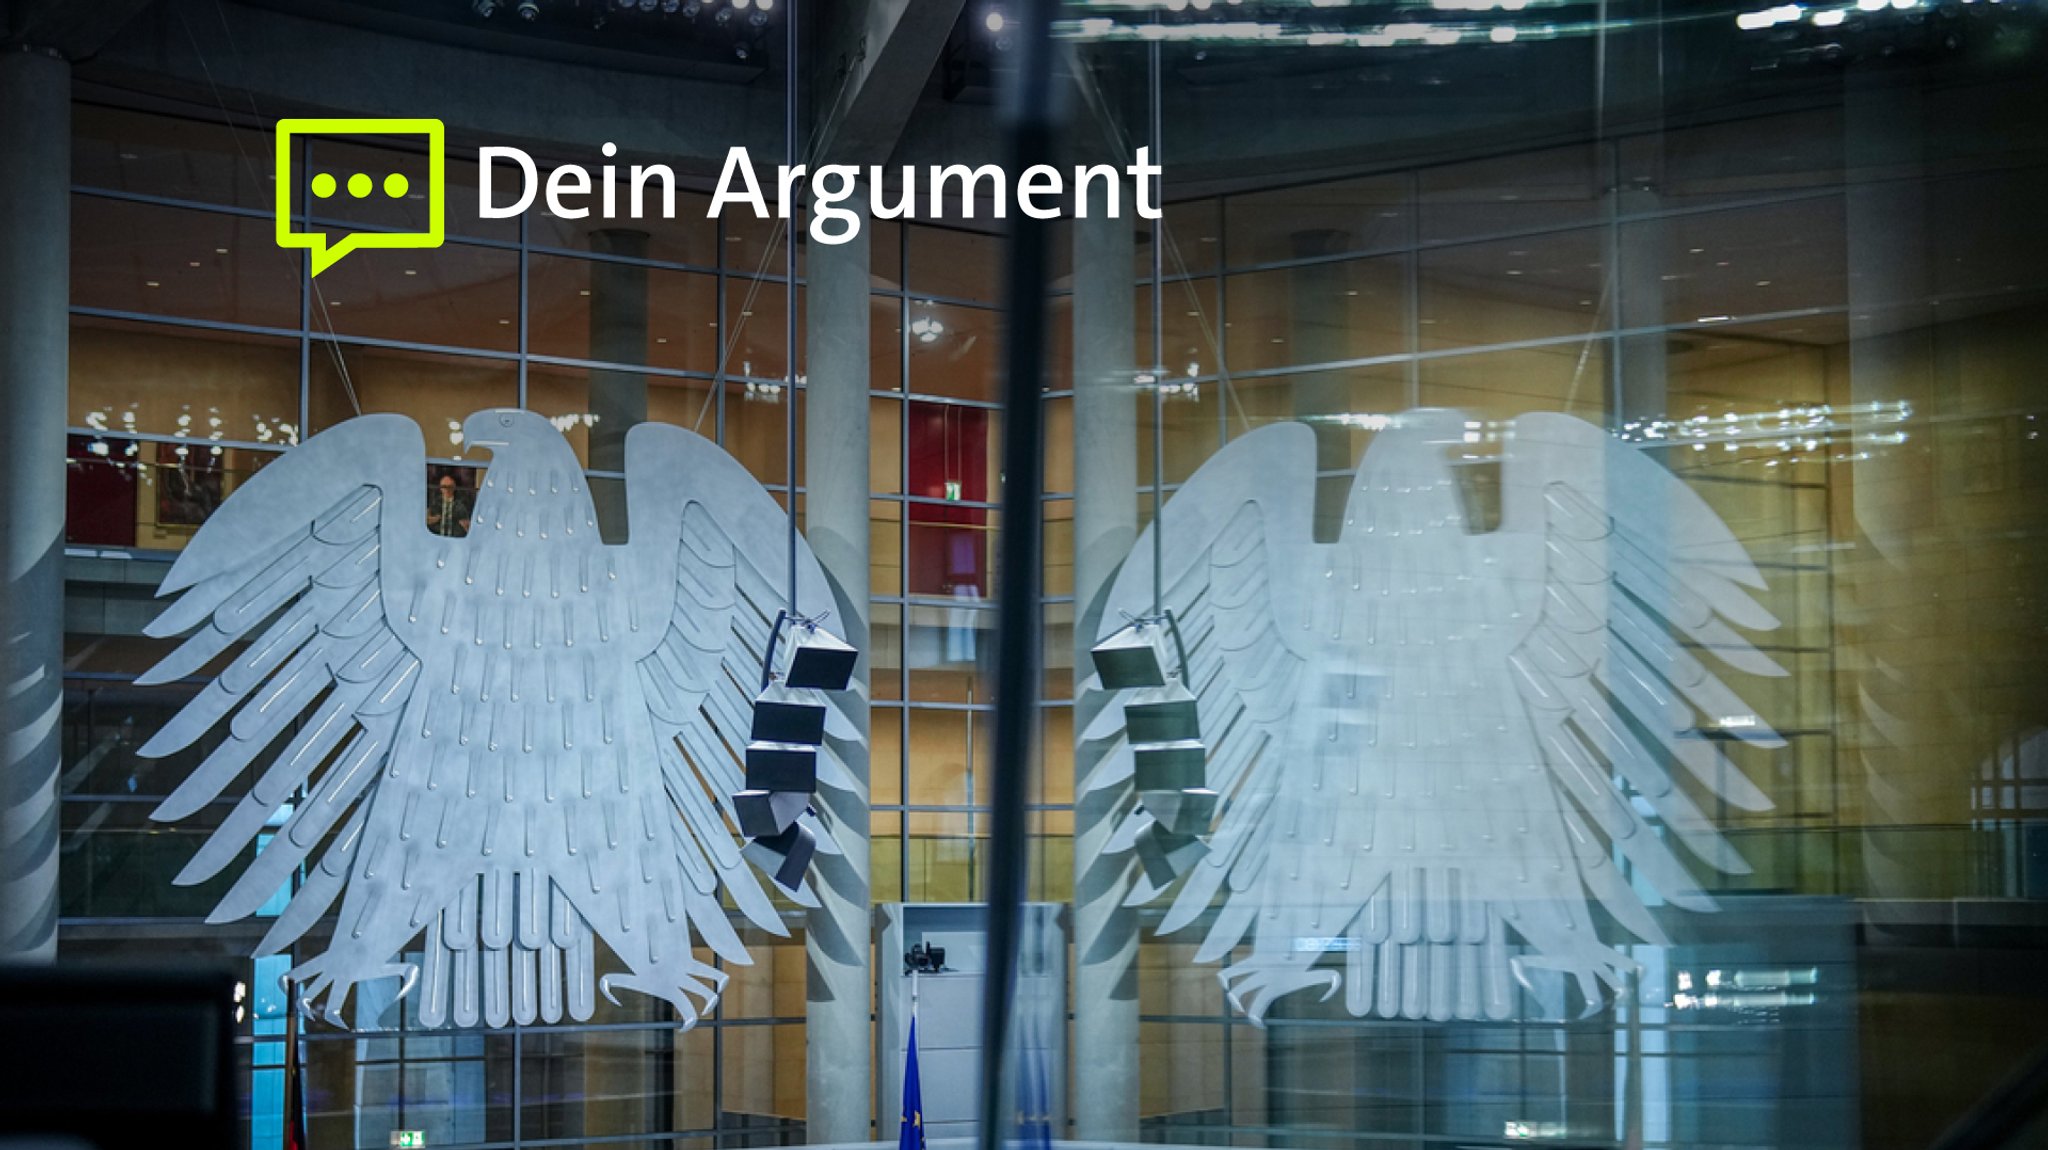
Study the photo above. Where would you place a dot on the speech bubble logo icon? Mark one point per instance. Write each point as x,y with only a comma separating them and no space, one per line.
360,185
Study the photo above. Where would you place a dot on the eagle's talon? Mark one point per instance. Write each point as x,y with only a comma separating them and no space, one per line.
1267,983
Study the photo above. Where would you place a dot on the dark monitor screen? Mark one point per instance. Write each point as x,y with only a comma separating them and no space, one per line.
118,1056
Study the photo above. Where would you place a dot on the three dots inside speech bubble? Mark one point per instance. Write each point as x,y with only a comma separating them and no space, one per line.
359,185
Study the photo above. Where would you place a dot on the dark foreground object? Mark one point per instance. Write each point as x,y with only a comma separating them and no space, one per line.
117,1057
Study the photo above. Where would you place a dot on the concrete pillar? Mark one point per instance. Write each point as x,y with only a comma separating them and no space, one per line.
838,1068
618,334
35,295
1105,1090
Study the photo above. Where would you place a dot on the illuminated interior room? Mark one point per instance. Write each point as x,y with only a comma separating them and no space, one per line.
1751,302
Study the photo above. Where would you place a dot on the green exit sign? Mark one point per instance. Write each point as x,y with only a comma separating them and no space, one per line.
408,1139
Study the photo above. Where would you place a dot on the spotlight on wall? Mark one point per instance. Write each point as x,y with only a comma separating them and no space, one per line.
1147,661
774,811
486,8
529,9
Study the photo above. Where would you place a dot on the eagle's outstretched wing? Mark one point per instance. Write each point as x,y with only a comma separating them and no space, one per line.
1231,536
1431,740
292,563
1639,578
705,523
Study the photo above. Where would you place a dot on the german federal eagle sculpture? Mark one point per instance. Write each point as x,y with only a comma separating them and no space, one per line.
507,746
1432,749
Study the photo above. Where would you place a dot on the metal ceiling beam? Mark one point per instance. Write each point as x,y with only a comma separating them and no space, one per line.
876,57
74,29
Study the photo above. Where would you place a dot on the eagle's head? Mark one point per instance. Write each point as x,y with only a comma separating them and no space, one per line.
532,465
511,434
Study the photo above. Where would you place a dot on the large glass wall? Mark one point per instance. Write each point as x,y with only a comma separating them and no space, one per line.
1794,261
199,352
1778,280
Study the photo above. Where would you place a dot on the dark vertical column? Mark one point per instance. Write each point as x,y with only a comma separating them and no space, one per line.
35,293
1105,528
839,1090
618,334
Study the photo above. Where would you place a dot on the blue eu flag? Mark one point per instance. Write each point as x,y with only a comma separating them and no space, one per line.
910,1136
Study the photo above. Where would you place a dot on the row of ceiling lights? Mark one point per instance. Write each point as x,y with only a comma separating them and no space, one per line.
689,9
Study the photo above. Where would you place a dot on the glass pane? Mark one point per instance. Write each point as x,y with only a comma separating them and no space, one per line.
1058,652
188,382
885,547
1359,400
152,495
1514,193
437,391
1059,445
124,151
145,258
757,431
763,1074
451,1089
885,856
622,313
885,651
596,406
1058,552
687,235
1503,384
1539,287
885,254
757,329
945,866
885,343
955,264
1317,313
1742,159
453,296
1370,214
1754,261
885,755
1190,336
754,247
941,756
954,351
953,454
595,1084
945,649
952,552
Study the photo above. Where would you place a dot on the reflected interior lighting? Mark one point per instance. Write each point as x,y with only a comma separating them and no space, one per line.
1363,420
1764,988
1786,427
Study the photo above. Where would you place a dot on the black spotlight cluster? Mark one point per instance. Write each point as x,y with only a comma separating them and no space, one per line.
782,748
1170,769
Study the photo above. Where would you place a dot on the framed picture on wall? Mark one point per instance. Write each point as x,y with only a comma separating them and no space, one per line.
190,484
